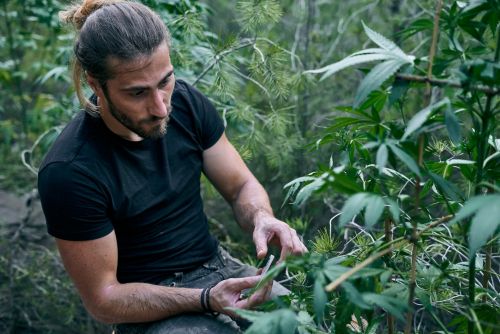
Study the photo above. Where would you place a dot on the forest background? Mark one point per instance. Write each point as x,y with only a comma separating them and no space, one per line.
394,163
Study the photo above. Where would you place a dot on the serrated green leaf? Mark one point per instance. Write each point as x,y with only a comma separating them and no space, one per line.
419,118
393,305
385,43
354,296
448,188
483,225
347,62
344,183
306,191
452,125
320,299
374,208
393,209
474,204
248,314
372,51
382,155
377,76
352,207
277,322
405,158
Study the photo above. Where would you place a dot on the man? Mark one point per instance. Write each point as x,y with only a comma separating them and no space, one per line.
120,188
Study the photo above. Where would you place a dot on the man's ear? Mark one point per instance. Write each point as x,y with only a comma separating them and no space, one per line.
94,84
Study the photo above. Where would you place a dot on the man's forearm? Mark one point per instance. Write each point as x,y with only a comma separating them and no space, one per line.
142,302
252,201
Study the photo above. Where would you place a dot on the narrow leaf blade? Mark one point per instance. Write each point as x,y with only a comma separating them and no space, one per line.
382,154
452,125
374,208
352,207
384,42
419,118
377,76
405,158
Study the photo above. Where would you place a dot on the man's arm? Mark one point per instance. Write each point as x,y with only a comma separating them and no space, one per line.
226,170
92,266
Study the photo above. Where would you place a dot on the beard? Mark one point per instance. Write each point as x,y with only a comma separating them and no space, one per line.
153,127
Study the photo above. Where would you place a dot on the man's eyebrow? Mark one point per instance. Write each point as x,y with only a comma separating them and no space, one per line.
165,78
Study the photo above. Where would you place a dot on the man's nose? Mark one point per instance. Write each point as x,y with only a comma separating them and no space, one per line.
158,106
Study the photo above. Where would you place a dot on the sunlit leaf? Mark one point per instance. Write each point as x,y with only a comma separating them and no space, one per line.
306,191
419,118
385,43
459,162
374,208
382,154
377,76
347,62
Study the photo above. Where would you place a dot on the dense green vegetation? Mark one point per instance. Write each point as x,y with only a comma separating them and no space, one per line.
372,124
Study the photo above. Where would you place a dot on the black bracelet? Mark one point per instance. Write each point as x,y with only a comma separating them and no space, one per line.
205,301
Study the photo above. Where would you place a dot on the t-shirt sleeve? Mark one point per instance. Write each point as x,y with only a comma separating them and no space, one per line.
73,203
211,124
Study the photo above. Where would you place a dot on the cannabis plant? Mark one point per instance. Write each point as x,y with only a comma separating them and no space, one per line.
416,158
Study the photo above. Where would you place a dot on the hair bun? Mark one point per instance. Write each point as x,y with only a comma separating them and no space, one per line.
77,14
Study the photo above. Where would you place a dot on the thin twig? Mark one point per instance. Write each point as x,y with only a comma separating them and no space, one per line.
449,83
216,58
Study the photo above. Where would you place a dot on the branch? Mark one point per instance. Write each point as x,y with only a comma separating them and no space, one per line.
342,278
442,82
243,44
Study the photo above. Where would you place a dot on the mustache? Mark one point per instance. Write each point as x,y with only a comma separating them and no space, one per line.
154,119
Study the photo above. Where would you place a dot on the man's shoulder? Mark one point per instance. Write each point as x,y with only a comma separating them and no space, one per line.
185,92
68,145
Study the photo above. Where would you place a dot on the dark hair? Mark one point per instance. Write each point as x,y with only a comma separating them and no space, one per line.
111,28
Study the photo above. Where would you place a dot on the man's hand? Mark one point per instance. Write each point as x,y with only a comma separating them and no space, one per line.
228,293
269,230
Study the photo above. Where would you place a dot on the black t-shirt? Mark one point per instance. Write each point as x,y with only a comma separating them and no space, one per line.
93,182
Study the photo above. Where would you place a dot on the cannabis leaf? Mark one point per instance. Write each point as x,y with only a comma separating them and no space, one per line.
394,58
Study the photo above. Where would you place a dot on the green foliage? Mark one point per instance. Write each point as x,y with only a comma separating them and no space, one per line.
385,151
486,220
422,159
275,322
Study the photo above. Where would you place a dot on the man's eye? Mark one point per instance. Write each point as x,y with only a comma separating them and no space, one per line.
138,93
164,82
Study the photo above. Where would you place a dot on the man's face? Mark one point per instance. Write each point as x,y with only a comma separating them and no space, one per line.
135,104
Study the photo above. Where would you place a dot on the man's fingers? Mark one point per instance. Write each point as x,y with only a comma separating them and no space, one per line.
238,284
260,245
260,295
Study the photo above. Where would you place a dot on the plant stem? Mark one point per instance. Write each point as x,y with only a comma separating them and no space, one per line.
441,82
388,239
421,142
487,270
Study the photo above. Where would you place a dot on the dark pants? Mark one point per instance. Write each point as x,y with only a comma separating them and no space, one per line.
220,267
